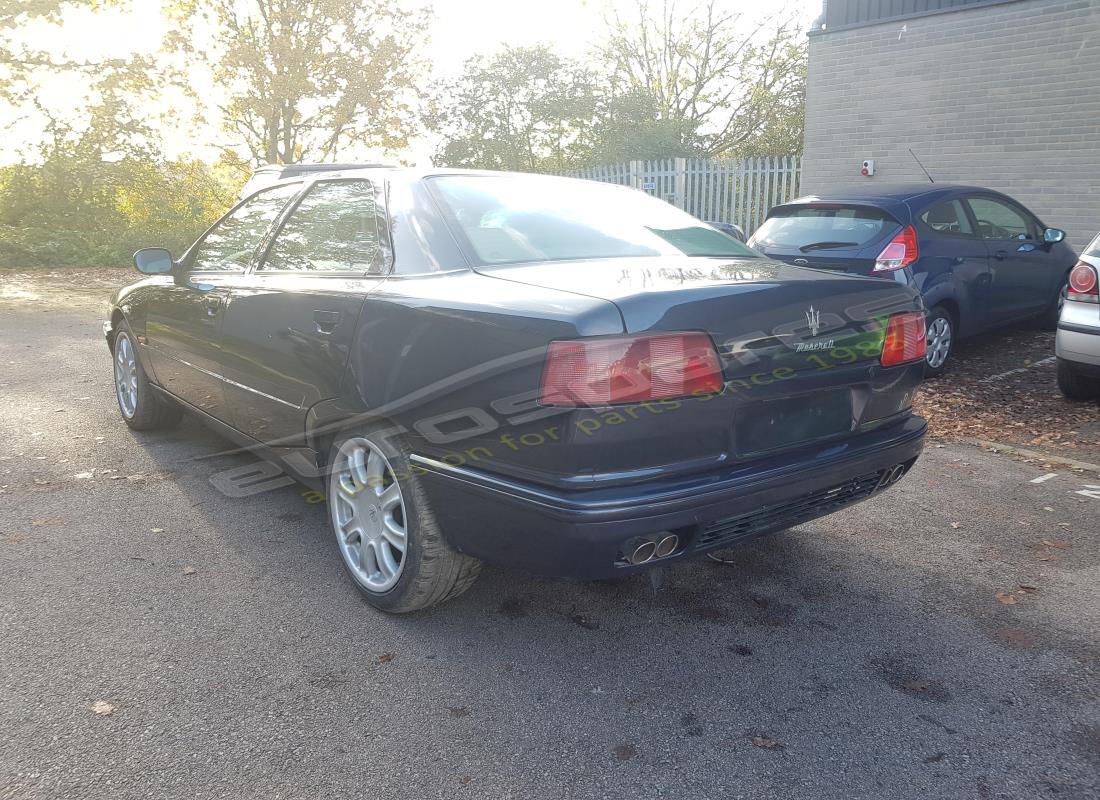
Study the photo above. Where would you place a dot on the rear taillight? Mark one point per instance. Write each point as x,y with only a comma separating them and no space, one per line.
901,252
905,339
629,369
1083,284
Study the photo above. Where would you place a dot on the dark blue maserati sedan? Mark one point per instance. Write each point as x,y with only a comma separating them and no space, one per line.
979,259
567,377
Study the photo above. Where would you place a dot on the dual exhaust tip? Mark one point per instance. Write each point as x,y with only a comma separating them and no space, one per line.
891,476
661,546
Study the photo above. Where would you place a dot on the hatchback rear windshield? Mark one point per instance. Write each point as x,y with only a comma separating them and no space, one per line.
511,220
824,227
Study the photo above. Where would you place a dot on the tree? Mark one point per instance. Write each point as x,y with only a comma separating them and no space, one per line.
722,83
19,61
629,126
524,108
305,79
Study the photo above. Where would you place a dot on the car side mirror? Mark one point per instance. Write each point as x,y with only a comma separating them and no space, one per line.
154,261
1053,235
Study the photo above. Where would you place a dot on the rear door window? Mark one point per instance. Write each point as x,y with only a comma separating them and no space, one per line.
823,227
335,228
948,218
997,220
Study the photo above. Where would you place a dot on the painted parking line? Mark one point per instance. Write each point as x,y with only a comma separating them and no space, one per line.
1039,363
1044,478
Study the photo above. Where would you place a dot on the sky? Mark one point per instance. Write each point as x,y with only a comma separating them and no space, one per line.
460,29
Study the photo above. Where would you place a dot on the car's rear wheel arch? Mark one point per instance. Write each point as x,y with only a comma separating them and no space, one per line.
431,570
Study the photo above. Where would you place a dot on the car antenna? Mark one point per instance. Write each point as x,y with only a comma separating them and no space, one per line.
922,169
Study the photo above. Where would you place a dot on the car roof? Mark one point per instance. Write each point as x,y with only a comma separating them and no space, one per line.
894,192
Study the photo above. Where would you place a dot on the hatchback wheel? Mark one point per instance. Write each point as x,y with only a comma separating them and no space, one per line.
1074,385
941,339
140,406
389,540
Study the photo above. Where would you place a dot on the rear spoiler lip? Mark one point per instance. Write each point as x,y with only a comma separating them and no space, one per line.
896,210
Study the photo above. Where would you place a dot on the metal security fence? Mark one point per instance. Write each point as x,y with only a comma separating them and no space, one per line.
740,191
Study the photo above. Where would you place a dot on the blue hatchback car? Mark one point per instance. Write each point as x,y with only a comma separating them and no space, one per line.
978,258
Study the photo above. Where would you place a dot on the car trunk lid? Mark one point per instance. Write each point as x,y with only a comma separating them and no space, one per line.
761,314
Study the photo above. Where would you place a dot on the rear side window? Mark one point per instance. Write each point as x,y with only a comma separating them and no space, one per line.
949,218
823,226
335,228
1092,248
229,245
997,220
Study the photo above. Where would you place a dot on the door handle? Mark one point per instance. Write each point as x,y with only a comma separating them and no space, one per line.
326,321
1000,255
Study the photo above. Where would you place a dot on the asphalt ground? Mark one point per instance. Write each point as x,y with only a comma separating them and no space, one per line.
937,641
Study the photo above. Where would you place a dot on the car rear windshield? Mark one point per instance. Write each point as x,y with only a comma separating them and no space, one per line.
826,226
512,220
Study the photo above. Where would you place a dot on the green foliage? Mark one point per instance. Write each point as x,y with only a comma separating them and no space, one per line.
524,108
668,82
74,211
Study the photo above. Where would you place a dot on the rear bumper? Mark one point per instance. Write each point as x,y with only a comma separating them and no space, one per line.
584,534
1078,343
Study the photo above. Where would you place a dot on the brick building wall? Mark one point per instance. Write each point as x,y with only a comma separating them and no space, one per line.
1005,96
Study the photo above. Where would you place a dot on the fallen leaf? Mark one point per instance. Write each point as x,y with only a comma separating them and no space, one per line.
1016,637
385,658
625,752
189,571
459,711
103,708
1007,599
1047,508
1061,545
767,743
1048,557
956,525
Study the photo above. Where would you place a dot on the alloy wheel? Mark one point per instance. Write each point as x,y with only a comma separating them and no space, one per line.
368,514
939,342
126,376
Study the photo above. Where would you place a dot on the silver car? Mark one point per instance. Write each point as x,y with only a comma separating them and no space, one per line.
1077,343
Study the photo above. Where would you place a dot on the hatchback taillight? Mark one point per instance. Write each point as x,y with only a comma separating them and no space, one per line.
905,339
1083,284
629,369
901,252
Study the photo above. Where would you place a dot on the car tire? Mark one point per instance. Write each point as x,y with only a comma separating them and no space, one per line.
942,333
1048,320
372,521
1074,385
141,407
